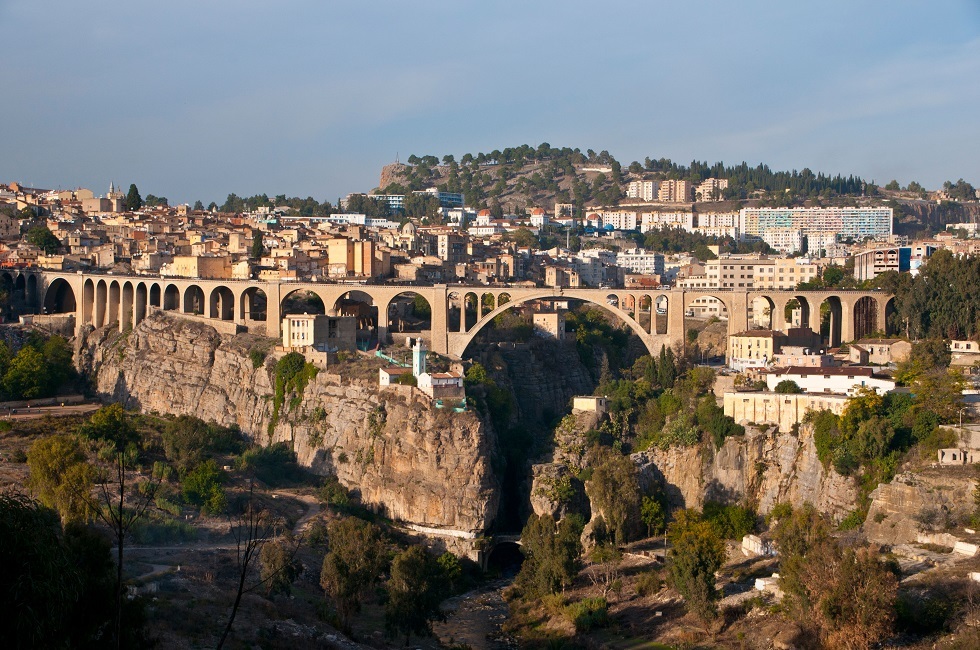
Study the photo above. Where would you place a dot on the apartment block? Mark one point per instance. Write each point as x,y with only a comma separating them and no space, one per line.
855,223
674,191
712,189
870,264
643,190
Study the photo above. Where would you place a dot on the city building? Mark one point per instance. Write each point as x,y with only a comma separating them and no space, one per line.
549,324
783,410
872,263
712,189
847,380
851,223
643,190
320,332
674,191
640,261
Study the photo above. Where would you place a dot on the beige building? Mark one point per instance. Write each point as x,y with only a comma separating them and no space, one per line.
674,191
712,189
590,403
880,351
550,325
783,410
198,266
752,348
320,332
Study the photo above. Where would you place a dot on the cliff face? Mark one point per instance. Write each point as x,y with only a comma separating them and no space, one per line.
417,464
765,467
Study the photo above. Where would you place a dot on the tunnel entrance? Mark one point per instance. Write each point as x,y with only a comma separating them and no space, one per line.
505,559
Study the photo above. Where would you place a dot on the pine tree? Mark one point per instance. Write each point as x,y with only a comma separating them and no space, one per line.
133,199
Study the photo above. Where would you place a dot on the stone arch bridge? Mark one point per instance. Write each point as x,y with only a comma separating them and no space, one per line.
458,312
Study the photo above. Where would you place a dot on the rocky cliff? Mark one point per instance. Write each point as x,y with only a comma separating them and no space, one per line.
415,463
763,467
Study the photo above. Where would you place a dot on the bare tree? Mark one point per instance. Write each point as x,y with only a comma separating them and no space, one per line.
252,528
110,507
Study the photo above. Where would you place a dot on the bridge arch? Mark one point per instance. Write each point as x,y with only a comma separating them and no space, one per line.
112,312
59,298
866,315
194,300
31,291
302,301
221,304
141,303
128,298
171,298
409,311
463,339
155,297
253,304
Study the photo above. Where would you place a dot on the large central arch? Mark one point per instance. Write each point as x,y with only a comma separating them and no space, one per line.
459,341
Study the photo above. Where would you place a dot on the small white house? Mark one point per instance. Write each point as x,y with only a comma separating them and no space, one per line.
589,403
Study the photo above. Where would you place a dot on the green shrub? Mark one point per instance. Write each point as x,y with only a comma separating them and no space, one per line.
730,522
333,493
160,529
649,583
258,358
588,614
202,487
852,520
274,465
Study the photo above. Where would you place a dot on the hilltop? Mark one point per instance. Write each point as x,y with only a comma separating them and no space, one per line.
524,177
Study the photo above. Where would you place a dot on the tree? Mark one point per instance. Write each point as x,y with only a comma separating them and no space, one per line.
258,248
415,590
696,553
60,476
851,596
111,507
133,199
278,570
653,515
27,375
788,386
893,186
58,582
112,424
615,492
198,205
252,528
44,239
352,566
551,554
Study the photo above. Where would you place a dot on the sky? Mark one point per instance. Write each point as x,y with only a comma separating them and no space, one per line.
194,100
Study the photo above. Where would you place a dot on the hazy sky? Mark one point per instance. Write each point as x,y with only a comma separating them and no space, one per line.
193,100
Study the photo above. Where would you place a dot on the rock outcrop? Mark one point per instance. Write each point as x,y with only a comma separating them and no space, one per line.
924,502
424,466
763,466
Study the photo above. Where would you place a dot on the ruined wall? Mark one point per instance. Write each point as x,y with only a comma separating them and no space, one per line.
417,464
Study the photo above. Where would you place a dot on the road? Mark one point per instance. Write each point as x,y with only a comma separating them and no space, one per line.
43,411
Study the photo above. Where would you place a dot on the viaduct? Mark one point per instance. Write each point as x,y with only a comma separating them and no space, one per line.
459,312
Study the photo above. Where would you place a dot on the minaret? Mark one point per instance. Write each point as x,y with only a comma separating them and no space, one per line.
418,357
112,190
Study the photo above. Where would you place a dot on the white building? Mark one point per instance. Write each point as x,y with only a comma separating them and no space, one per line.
784,240
846,380
643,190
658,220
641,261
854,223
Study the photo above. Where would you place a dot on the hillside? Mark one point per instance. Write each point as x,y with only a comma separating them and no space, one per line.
524,177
